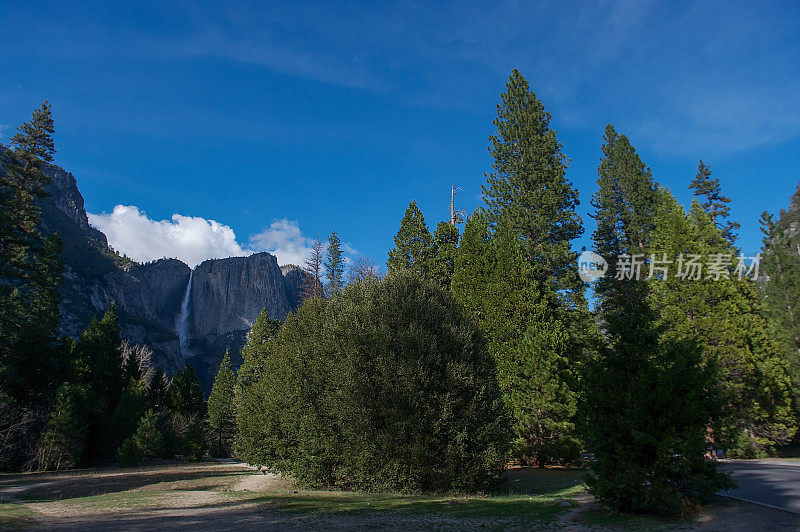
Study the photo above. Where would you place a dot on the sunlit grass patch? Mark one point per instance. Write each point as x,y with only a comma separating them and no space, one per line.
15,516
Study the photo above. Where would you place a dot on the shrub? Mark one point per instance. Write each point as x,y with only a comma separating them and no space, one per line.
387,386
148,437
128,453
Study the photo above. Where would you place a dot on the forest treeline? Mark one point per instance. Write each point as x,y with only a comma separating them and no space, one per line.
478,346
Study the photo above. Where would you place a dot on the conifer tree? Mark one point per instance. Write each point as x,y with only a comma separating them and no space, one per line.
648,399
31,356
528,188
256,350
97,366
709,193
495,282
22,182
222,410
64,439
334,264
186,394
722,317
133,404
780,286
445,241
413,249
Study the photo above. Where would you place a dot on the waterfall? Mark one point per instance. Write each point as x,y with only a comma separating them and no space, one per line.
182,324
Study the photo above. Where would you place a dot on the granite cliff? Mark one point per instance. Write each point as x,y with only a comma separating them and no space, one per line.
225,298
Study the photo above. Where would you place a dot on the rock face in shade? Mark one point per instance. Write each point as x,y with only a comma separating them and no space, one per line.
226,298
227,295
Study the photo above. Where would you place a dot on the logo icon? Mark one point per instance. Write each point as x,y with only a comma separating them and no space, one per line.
591,266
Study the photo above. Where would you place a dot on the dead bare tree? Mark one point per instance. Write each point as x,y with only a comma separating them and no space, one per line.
312,283
364,268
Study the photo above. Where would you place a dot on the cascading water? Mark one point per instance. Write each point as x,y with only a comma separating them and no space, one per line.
182,324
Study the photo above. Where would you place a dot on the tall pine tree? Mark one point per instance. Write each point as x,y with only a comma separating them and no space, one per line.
647,401
709,192
780,284
31,356
334,265
222,410
529,191
413,242
494,280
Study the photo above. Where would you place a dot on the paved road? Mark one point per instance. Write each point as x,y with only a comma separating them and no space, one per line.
772,482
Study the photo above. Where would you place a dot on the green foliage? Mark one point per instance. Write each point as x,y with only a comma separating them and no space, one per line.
334,265
413,242
445,242
97,366
724,320
222,410
133,404
128,453
32,356
528,189
194,442
715,204
388,386
146,443
648,396
63,442
97,359
534,354
780,286
148,437
186,394
256,350
542,402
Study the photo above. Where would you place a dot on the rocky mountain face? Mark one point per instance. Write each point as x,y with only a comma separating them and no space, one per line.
224,299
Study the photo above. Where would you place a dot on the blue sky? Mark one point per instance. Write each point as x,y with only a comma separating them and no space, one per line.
281,121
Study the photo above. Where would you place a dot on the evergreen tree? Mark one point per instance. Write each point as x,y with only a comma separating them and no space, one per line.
186,394
413,249
64,439
334,264
22,182
133,404
256,350
529,191
97,359
188,408
495,282
148,437
157,388
445,242
222,410
780,286
32,357
709,192
97,366
648,399
723,319
387,387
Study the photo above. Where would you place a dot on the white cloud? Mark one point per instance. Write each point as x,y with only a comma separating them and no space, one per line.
193,239
284,239
188,238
